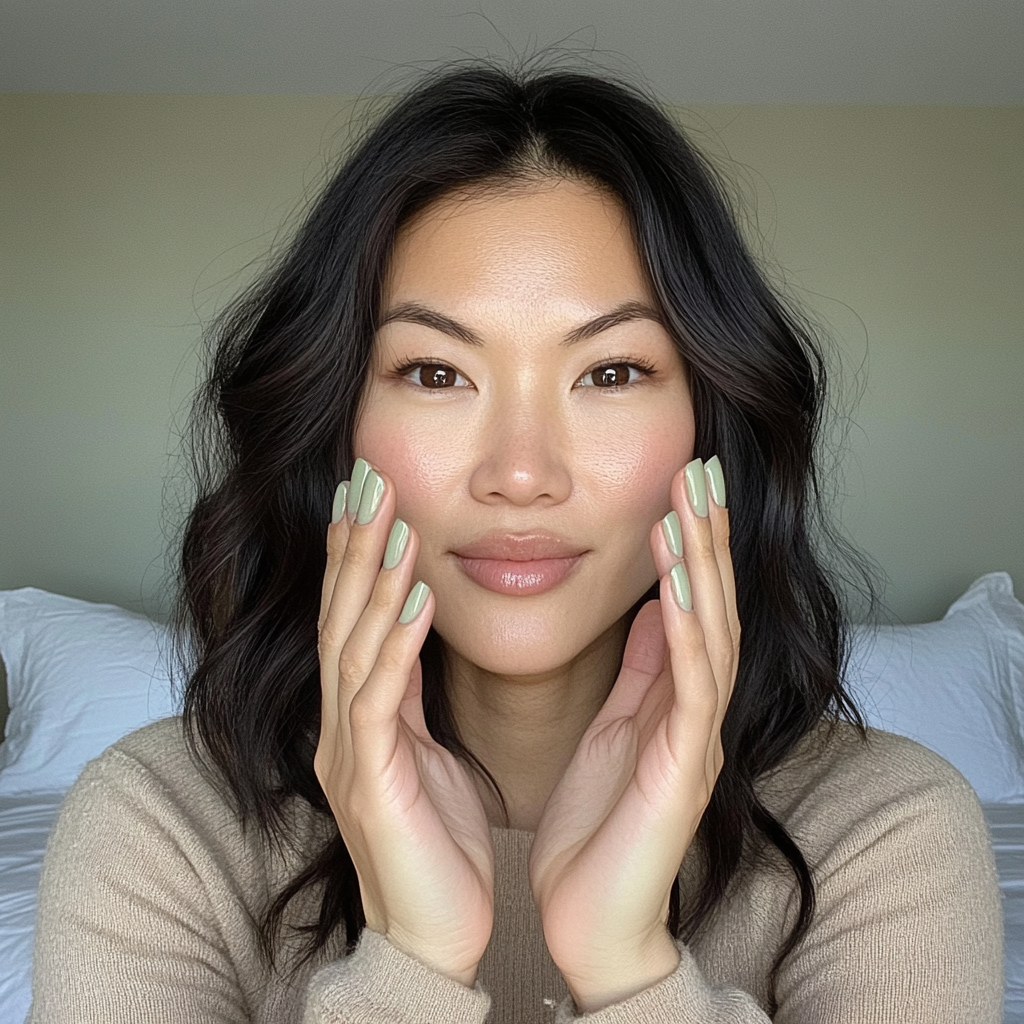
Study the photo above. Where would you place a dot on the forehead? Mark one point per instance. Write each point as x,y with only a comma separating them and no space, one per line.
548,239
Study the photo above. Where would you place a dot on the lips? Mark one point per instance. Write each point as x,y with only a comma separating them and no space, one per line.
520,547
519,564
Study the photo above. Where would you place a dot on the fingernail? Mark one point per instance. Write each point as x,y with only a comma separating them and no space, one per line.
696,491
716,480
338,509
355,491
673,533
681,587
397,540
373,491
414,602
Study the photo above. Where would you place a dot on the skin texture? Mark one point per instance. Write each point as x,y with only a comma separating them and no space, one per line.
611,768
522,449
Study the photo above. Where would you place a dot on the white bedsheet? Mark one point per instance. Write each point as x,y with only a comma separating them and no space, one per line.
1006,823
25,823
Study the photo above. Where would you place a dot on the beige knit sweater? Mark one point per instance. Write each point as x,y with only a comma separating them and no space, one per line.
149,889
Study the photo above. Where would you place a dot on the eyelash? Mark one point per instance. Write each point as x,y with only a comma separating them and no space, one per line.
637,363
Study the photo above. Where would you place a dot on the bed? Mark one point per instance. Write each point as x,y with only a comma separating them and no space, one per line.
80,675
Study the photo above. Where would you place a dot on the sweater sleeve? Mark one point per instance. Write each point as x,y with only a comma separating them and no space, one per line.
146,908
685,997
907,925
379,984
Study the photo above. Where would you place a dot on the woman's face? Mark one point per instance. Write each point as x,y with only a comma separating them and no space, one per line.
525,393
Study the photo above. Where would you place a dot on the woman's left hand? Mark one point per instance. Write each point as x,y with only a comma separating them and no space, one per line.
617,825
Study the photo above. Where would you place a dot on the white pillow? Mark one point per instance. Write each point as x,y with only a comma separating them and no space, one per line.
79,677
956,686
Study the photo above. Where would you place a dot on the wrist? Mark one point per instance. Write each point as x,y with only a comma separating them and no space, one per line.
438,962
625,977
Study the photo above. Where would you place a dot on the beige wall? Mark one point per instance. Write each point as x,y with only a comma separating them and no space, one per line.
127,221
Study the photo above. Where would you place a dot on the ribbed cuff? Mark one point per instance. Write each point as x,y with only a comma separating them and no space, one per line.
684,997
379,984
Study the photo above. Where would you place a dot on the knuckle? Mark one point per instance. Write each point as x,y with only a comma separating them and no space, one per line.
329,639
390,661
351,668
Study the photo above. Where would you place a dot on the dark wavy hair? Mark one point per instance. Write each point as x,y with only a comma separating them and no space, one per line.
272,435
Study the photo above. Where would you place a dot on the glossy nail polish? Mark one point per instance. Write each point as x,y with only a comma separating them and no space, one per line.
414,602
355,490
397,541
340,497
673,533
716,480
373,491
696,490
681,586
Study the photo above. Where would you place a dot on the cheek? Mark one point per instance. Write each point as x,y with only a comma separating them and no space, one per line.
425,468
632,464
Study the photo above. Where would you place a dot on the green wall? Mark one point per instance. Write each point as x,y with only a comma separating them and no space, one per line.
127,221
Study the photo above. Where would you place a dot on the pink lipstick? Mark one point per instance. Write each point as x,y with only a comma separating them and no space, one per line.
519,564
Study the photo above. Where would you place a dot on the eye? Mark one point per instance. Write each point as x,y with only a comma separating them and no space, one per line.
616,375
431,376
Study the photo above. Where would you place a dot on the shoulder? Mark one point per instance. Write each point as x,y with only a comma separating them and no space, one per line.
841,795
149,793
151,771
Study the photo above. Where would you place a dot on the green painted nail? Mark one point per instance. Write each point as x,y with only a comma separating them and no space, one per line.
355,491
338,509
673,533
414,602
681,587
397,540
696,490
716,480
373,491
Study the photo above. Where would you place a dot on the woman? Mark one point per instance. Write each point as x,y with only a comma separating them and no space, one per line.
502,754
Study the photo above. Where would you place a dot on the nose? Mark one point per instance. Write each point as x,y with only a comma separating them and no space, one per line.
524,455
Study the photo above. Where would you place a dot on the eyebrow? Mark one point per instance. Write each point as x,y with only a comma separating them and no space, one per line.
416,313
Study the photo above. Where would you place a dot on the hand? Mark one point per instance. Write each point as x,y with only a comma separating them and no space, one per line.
406,809
617,825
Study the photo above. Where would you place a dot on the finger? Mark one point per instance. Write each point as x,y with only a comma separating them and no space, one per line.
695,720
702,569
643,660
337,540
720,528
411,707
361,652
361,558
374,710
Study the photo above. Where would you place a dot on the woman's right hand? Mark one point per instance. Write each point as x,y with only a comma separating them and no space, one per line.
406,808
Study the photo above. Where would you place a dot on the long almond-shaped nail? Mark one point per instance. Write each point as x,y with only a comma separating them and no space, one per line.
716,480
355,491
340,495
696,490
373,491
397,541
673,533
681,587
414,602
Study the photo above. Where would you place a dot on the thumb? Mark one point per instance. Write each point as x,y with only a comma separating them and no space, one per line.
411,706
642,662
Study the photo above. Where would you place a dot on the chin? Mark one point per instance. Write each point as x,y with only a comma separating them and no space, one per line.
523,644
